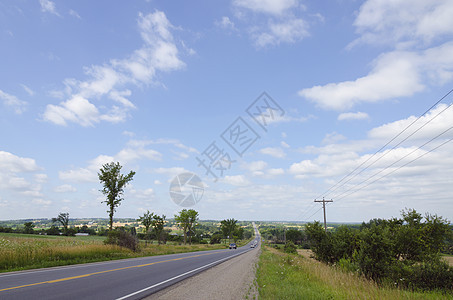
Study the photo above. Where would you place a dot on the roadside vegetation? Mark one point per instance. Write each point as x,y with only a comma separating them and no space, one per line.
291,276
24,251
399,258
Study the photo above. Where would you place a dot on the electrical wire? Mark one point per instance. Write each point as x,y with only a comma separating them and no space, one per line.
383,147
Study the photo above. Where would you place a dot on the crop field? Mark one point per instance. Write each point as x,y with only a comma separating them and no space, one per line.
23,251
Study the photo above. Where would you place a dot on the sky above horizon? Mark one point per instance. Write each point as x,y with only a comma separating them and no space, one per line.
169,87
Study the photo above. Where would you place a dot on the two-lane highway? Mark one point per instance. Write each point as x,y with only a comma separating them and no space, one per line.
120,279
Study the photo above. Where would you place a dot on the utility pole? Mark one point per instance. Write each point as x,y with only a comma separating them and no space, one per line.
323,201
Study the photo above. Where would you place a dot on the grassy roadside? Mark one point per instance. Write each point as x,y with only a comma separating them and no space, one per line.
283,276
22,251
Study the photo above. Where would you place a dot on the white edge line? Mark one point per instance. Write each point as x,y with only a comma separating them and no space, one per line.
180,275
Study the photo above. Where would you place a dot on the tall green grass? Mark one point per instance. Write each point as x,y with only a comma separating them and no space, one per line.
288,276
21,251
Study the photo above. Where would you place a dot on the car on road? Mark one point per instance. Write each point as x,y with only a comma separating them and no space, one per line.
233,246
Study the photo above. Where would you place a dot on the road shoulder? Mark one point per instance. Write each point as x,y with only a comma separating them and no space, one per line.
232,279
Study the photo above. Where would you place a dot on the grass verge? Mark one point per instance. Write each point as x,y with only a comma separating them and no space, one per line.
22,251
284,276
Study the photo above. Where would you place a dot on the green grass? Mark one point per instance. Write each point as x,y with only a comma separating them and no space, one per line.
26,251
283,276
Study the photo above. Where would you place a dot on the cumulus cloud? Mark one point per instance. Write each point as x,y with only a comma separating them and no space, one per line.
133,151
13,173
410,28
390,22
394,74
159,53
410,172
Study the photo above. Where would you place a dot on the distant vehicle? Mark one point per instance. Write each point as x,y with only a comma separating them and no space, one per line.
233,246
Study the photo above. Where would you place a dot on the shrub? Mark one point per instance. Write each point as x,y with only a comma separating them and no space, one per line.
122,239
290,247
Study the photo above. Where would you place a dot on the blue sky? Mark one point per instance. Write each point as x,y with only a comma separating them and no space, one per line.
152,84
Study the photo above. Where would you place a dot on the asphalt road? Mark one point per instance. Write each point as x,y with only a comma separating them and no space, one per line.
121,279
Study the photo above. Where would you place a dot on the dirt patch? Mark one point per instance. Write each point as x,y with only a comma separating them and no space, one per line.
307,253
233,279
449,259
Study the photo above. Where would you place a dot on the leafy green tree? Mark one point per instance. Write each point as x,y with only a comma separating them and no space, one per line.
28,228
238,234
216,238
294,236
158,224
53,230
113,186
186,220
63,219
227,227
146,220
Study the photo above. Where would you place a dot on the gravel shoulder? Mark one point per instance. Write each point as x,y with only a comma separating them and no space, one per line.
232,279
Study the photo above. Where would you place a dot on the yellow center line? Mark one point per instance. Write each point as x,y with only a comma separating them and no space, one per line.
101,272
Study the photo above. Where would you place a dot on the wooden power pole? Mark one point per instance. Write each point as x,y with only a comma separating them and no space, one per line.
323,201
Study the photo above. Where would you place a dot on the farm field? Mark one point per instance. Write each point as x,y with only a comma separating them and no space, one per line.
23,251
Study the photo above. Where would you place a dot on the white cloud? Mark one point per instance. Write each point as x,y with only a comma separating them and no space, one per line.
12,101
74,14
146,194
288,31
273,7
284,144
135,150
275,172
158,53
394,74
173,171
237,180
275,152
333,137
41,178
353,116
65,188
389,22
48,6
15,164
411,28
13,173
225,23
441,123
29,91
254,166
426,178
275,21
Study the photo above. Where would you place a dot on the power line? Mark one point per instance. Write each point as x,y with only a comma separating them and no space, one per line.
383,147
395,169
418,148
394,147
